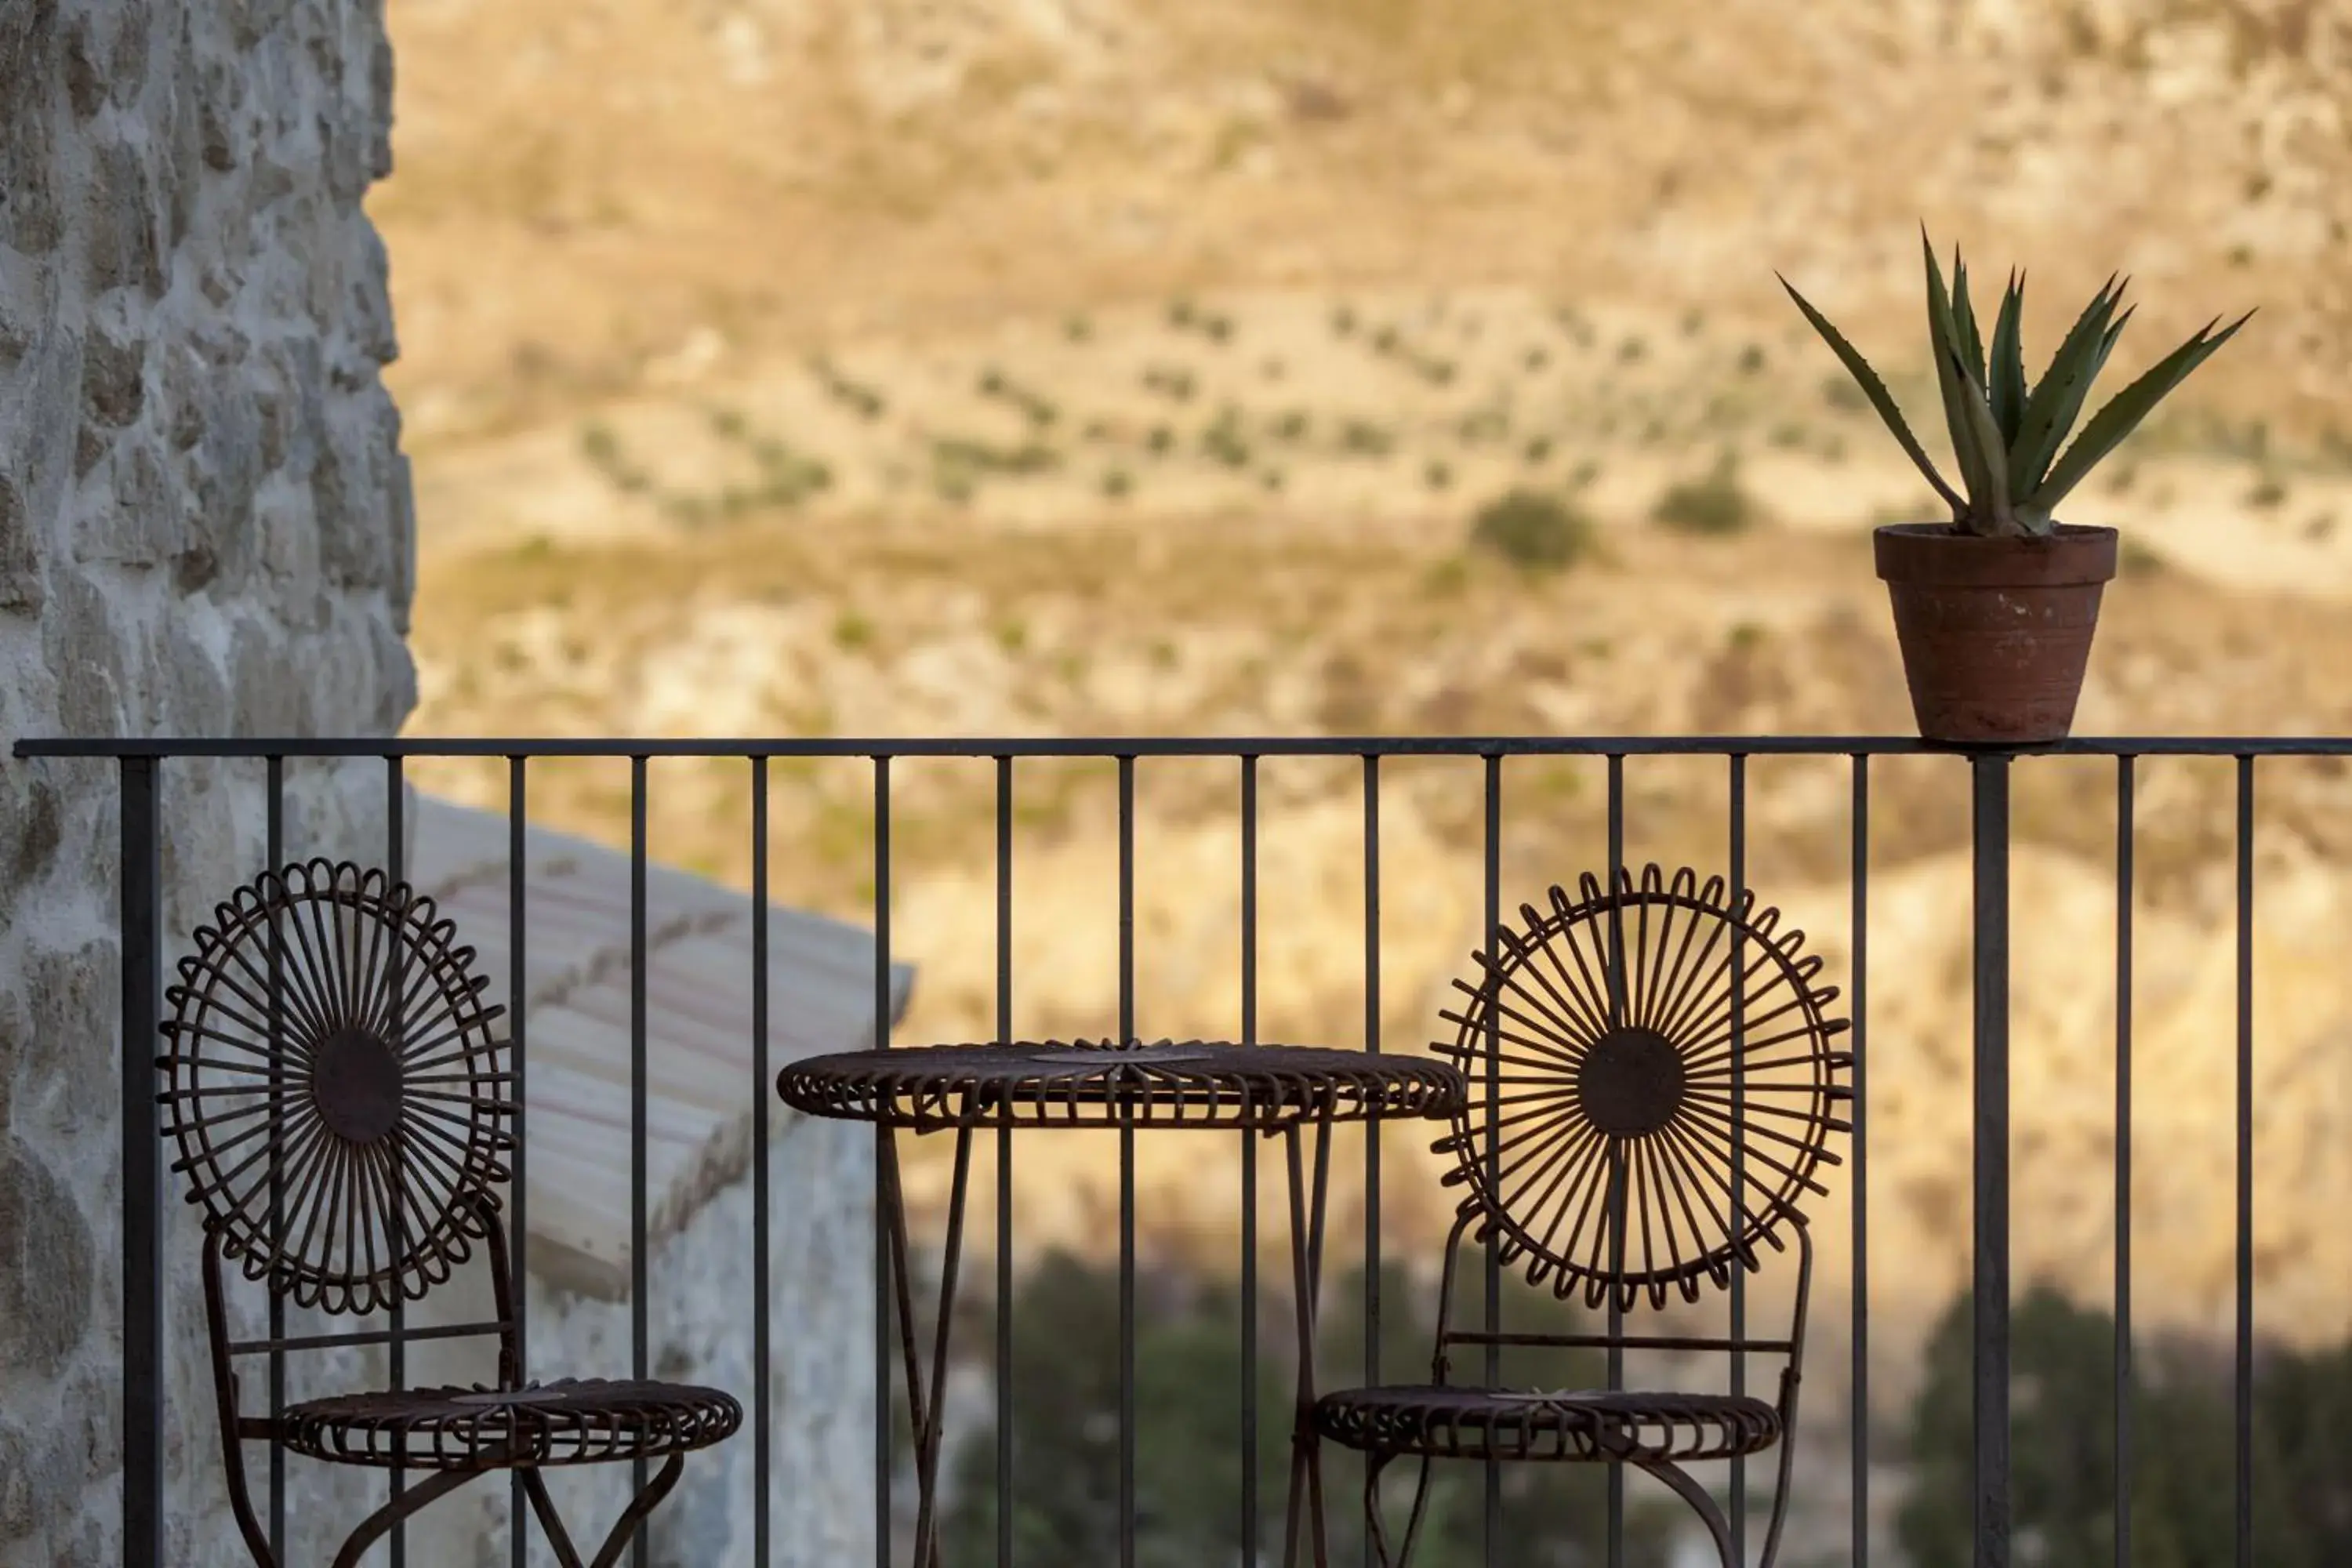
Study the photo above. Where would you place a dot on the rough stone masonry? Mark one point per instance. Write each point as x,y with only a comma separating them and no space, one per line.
205,528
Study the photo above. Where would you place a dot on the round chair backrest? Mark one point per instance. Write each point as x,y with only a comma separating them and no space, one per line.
328,1018
1652,1087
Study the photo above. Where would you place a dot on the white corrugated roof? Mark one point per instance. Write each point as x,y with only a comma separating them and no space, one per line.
698,1047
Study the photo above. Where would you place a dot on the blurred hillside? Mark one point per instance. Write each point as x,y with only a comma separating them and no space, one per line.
587,192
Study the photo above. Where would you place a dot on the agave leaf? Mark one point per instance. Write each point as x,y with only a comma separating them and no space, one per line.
2040,429
1880,398
1951,383
1985,455
2121,417
2071,401
1969,341
2005,373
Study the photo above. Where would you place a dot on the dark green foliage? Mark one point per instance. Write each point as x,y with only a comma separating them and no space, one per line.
1843,394
1533,531
2183,1496
1714,504
1170,380
1366,440
1540,449
1751,359
1439,474
1189,1447
858,398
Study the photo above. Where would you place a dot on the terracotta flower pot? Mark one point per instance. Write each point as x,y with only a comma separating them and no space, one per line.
1996,633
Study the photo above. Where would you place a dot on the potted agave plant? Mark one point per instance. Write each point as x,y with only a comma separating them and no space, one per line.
1995,610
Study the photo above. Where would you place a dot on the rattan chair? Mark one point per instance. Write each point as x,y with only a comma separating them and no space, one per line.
1653,1086
343,1115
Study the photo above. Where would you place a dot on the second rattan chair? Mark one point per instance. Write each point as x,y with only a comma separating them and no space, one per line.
1653,1086
343,1115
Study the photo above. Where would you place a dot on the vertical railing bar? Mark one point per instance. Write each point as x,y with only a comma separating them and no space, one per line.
1617,1182
1004,1171
142,1167
1859,867
1373,1377
763,1451
518,1029
2125,897
883,1157
640,1168
395,791
1493,910
1989,1323
274,854
1126,1433
1736,789
1249,1174
2245,1166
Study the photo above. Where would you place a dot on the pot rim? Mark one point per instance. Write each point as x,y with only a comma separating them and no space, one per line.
1935,555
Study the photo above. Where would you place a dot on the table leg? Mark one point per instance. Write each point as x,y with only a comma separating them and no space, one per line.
923,1394
1307,1280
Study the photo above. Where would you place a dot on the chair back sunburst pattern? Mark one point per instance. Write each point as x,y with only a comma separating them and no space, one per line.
328,1018
1654,1085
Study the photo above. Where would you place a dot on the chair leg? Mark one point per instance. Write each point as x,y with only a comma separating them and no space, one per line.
373,1528
617,1540
1701,1501
1376,1523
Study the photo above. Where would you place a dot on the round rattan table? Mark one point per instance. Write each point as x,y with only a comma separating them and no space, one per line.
1132,1086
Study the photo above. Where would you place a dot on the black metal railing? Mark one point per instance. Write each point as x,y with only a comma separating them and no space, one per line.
145,784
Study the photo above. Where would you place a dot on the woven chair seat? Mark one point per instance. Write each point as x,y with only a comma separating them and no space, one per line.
1573,1425
567,1422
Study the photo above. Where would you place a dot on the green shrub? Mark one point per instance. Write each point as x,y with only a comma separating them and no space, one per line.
1343,321
1533,531
2268,492
1161,439
1366,440
1841,394
1291,426
1540,449
1751,359
1536,360
1631,351
1714,505
1118,484
1439,475
1077,329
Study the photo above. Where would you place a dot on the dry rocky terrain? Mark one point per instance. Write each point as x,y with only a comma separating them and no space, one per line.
1083,367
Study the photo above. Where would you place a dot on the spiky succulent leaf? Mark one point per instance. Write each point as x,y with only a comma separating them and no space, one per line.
2057,397
1951,383
1880,398
1990,507
2121,417
1966,337
2005,371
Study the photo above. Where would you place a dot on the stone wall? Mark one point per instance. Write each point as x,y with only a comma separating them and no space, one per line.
205,528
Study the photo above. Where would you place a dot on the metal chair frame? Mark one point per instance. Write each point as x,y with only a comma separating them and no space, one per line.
344,1082
1622,1100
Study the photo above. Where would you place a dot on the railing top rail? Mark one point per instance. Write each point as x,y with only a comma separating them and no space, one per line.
1162,746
